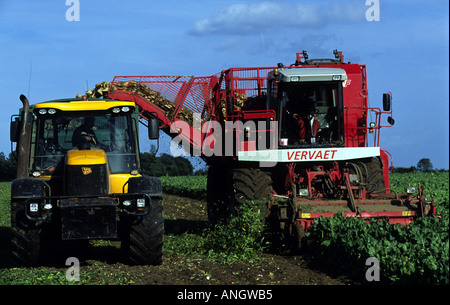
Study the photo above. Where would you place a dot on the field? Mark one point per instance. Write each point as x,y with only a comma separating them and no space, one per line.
239,253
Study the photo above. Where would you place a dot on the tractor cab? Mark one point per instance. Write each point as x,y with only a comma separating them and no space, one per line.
61,127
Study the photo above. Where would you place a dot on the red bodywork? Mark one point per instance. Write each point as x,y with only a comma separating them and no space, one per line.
217,98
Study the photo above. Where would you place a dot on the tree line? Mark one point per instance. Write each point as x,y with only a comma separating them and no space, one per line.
423,166
167,165
164,165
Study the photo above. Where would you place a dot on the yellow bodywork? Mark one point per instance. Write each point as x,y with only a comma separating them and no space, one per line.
84,105
95,156
91,156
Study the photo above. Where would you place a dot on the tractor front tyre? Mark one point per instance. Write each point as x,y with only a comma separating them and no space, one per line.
143,239
25,238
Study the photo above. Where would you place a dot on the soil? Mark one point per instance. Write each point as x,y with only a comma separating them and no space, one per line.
185,214
105,266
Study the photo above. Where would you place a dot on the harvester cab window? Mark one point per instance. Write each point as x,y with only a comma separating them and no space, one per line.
311,113
55,135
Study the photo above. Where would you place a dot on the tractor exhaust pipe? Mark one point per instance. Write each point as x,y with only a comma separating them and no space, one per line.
24,144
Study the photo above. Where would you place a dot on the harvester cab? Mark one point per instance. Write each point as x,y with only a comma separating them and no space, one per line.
309,104
79,177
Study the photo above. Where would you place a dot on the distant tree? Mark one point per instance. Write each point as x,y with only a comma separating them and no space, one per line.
151,165
424,165
165,165
201,172
411,169
185,168
7,167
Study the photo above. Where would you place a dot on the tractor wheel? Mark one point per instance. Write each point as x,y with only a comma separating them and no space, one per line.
25,238
142,241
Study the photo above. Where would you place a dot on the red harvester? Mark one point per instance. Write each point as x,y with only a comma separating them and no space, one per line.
294,136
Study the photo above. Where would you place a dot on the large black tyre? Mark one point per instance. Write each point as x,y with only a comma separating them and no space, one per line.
228,188
375,178
251,184
143,236
297,235
217,192
25,238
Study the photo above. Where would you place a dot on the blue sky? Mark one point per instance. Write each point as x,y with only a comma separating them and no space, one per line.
406,52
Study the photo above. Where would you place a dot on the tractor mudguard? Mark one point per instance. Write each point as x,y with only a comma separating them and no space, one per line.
26,188
145,184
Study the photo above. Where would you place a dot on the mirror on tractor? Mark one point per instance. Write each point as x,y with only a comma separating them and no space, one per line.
14,131
386,102
153,129
390,120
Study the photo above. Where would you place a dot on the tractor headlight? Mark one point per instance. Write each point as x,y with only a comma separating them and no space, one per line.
126,203
125,109
295,78
140,202
116,110
34,207
51,111
372,125
42,111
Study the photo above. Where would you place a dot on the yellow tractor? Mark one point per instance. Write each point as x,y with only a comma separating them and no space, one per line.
79,178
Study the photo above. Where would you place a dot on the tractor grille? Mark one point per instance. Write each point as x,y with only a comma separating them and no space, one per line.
86,180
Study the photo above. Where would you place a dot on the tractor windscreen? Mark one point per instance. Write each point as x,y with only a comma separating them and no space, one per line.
56,134
311,113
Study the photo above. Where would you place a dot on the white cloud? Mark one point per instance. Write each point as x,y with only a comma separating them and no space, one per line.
243,19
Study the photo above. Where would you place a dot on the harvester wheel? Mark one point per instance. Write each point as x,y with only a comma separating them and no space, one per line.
298,233
251,184
375,179
217,194
228,188
142,241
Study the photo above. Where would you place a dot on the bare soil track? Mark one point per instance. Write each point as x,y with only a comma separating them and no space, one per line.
189,215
